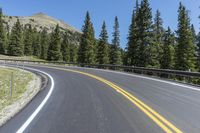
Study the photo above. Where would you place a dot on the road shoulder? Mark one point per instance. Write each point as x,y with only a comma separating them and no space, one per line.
32,88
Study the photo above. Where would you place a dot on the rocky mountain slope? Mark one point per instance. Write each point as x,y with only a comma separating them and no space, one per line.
42,21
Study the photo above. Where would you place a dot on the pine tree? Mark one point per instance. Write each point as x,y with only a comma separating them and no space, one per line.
155,48
102,48
7,38
158,27
198,53
44,41
167,59
28,40
185,50
15,45
145,35
115,53
36,44
86,52
194,36
73,53
2,35
34,37
195,43
132,54
65,50
54,53
124,56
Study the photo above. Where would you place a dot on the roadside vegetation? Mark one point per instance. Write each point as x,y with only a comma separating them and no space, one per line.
31,58
20,82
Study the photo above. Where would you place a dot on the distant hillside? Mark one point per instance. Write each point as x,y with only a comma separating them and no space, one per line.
42,21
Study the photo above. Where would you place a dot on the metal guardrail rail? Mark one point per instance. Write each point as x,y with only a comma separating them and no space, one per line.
163,73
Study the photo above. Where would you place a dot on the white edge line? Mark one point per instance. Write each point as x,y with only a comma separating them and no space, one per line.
34,114
153,79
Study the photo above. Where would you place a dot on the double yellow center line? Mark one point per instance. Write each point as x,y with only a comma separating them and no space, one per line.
157,118
152,114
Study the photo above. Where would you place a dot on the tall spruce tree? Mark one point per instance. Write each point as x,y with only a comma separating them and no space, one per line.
44,41
195,43
145,35
132,54
185,50
198,52
156,47
167,59
28,40
115,53
86,52
194,36
73,52
16,47
54,53
102,48
65,50
158,27
36,44
2,34
7,37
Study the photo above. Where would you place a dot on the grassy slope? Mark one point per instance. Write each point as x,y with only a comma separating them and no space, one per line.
32,58
20,82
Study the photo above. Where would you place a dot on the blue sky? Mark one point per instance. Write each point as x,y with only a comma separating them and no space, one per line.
73,12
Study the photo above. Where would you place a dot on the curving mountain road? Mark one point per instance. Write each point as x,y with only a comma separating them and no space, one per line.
99,101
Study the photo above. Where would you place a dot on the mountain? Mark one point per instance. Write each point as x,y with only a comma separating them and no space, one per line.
42,21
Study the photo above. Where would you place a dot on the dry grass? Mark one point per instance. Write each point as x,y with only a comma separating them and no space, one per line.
20,81
31,58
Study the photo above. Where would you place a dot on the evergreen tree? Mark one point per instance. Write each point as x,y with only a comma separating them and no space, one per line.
2,35
185,50
158,27
34,37
54,53
156,47
15,45
194,36
145,35
7,38
132,54
167,59
28,40
73,53
65,50
195,43
198,52
115,53
36,44
86,53
102,48
44,41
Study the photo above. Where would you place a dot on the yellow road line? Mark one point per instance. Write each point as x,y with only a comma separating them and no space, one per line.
137,102
152,114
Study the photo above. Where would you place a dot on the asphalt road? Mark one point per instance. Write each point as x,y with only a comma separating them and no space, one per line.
82,104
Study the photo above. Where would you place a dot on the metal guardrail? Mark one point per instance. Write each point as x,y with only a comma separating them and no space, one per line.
163,73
